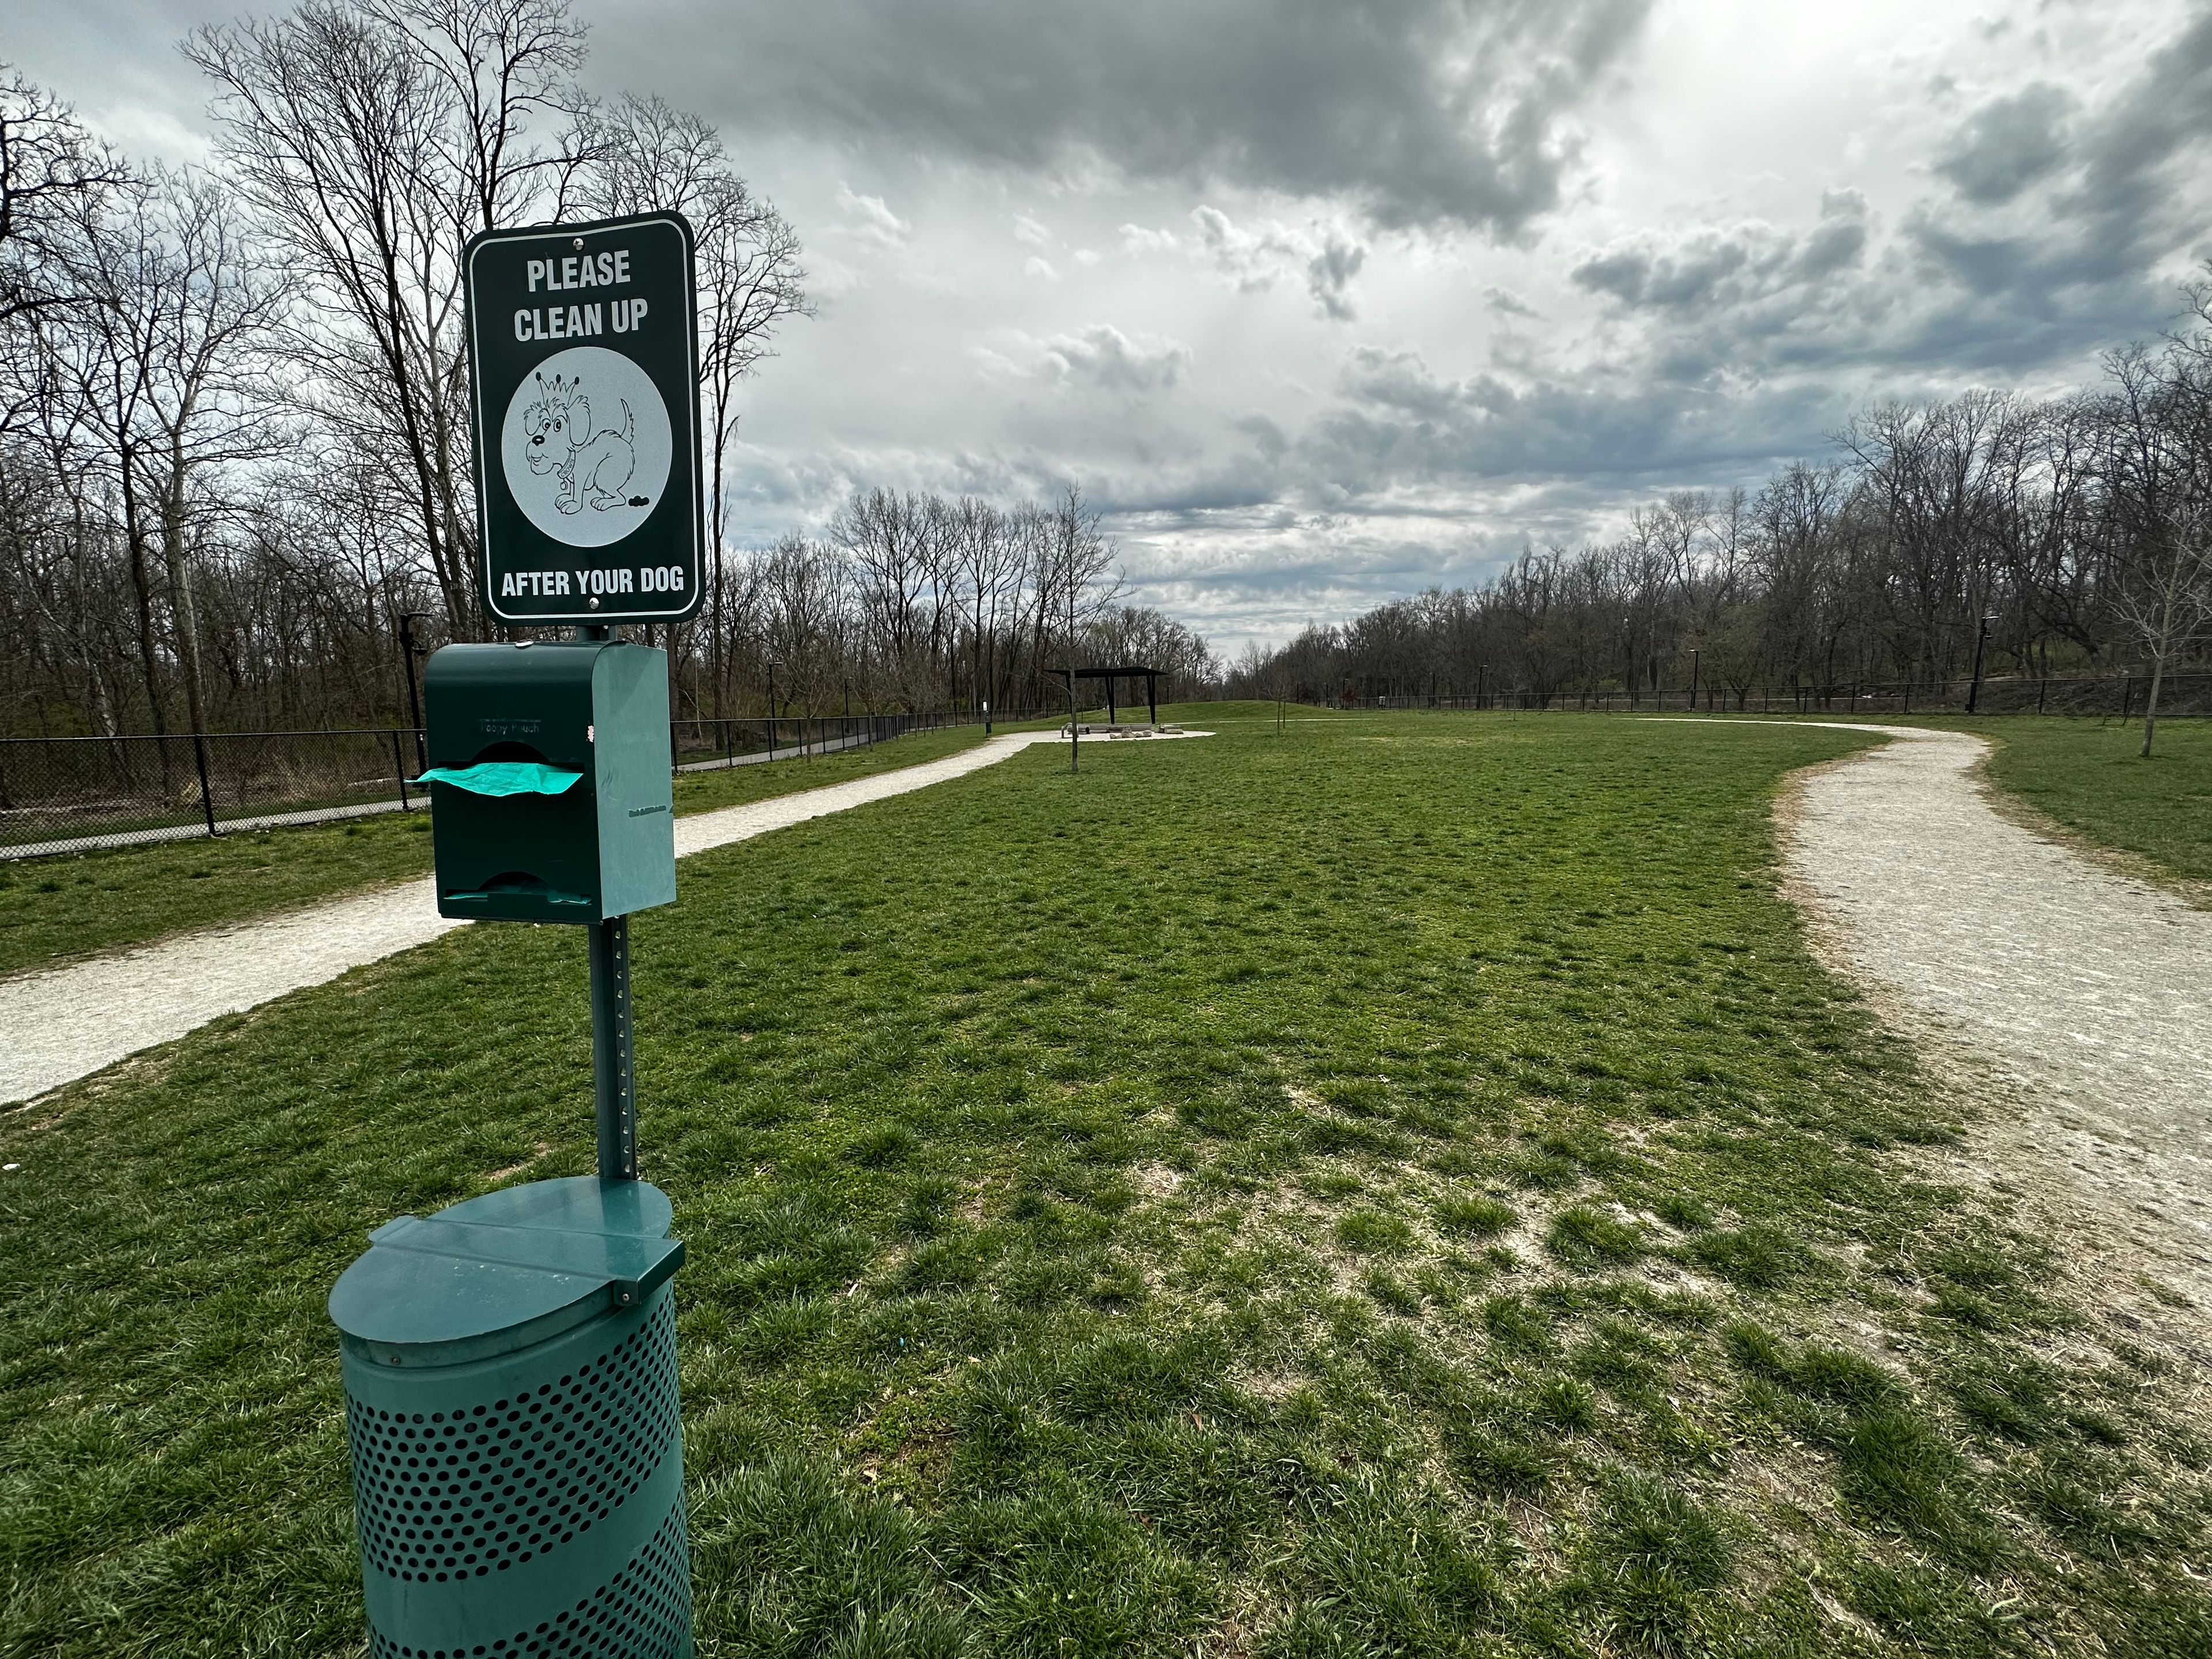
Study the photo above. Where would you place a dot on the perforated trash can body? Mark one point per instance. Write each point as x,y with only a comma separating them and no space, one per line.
515,1429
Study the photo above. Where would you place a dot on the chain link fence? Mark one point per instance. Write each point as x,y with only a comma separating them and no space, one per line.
707,746
66,794
78,794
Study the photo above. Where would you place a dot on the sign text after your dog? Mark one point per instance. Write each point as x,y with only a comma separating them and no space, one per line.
583,355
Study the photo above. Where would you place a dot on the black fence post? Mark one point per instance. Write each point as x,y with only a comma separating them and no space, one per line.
207,794
399,771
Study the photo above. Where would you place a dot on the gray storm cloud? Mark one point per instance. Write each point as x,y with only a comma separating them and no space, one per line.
2010,143
1452,111
1309,292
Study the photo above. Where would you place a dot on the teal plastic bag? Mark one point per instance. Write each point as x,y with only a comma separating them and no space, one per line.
504,778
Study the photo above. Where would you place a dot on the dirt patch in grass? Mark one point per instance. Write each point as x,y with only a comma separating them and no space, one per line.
494,1177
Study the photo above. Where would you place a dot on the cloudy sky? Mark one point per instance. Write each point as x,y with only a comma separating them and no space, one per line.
1324,300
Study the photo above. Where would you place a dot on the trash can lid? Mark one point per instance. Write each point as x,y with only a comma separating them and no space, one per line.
505,1269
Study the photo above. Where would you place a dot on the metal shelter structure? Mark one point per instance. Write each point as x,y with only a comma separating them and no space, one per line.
1112,676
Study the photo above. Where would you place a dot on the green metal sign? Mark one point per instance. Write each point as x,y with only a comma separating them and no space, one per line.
583,355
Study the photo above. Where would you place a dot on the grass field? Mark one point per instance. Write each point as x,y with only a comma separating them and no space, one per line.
2092,778
1397,1187
54,909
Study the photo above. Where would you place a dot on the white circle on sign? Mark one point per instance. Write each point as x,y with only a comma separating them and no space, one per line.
585,445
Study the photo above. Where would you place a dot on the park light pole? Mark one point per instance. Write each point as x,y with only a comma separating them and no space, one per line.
1981,643
1694,679
771,707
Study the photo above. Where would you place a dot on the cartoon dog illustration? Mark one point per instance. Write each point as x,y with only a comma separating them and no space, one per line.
594,467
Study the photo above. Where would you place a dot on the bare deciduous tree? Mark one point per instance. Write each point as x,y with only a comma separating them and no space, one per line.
2162,456
52,174
640,156
374,139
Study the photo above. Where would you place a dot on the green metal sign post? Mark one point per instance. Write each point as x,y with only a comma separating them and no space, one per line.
614,1067
509,1363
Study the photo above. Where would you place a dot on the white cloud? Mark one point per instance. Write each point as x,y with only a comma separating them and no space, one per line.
1256,256
1140,240
1105,356
871,215
1099,357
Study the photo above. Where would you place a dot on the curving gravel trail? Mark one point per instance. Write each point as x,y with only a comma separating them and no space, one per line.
2088,991
69,1021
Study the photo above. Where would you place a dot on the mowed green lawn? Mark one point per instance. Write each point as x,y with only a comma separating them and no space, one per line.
52,909
2092,777
1396,1186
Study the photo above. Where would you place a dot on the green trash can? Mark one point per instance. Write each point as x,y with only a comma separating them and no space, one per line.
509,1366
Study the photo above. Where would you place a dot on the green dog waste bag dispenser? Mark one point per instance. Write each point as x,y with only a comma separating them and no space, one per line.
549,781
509,1363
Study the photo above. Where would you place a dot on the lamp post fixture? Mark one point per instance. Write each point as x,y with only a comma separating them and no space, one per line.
1981,643
771,707
1694,679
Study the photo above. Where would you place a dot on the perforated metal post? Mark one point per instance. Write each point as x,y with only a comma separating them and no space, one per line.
614,1067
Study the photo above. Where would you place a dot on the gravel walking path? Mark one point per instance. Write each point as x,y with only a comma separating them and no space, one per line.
2088,992
69,1021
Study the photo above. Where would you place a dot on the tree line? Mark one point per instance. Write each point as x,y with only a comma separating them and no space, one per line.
921,601
2069,535
235,467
